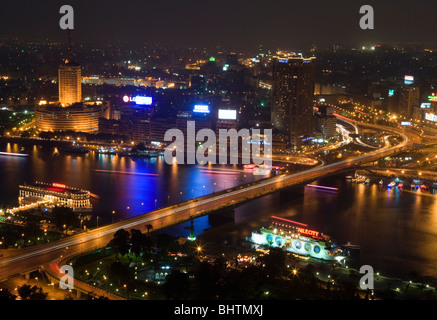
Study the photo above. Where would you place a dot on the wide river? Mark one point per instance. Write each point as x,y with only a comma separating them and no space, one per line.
396,229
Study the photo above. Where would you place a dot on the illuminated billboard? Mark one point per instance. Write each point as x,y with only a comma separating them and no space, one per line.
431,117
406,123
224,114
391,93
201,108
425,106
409,80
139,100
432,97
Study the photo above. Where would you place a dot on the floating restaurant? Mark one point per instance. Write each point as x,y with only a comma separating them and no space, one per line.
57,194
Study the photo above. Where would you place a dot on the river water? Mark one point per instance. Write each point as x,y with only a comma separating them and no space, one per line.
396,229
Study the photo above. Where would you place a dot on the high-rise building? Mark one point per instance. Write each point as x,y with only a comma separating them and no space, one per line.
70,86
69,79
70,113
325,122
293,97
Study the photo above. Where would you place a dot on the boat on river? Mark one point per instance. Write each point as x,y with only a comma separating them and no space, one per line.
299,239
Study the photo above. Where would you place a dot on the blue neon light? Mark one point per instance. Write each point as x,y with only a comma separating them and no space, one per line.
143,101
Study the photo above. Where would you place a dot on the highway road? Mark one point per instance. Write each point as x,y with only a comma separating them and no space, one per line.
31,258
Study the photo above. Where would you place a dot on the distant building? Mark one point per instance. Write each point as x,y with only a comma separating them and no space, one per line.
129,118
325,122
70,83
409,99
403,100
292,97
70,113
78,117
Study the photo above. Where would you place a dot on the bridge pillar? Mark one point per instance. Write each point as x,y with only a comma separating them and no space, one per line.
78,294
221,216
27,276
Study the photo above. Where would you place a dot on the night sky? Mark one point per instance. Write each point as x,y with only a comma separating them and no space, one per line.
233,24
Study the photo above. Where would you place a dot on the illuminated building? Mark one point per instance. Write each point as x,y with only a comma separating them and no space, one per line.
69,79
130,118
70,113
325,122
57,194
292,97
70,86
226,120
78,117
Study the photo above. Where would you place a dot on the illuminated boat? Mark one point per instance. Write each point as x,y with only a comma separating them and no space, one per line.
391,184
57,194
423,187
297,238
106,151
11,154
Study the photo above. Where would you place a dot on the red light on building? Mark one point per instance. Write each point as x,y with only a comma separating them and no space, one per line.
59,185
308,232
126,99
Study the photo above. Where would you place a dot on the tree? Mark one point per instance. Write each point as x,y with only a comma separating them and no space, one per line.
138,242
27,292
275,262
5,294
121,242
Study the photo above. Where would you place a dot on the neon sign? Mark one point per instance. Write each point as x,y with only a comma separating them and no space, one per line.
409,80
308,232
201,108
431,117
139,100
59,185
433,97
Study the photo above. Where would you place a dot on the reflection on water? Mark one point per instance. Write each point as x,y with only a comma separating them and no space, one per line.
130,186
396,229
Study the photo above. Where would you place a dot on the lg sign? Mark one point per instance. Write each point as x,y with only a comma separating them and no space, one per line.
139,100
